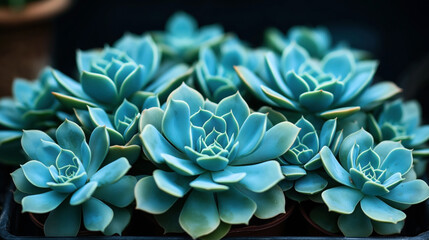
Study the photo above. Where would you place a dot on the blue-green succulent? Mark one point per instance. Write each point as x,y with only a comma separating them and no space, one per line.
182,38
373,189
336,86
31,107
301,164
401,121
215,73
211,157
109,76
67,178
317,41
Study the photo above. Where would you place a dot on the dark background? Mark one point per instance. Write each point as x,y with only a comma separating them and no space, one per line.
396,32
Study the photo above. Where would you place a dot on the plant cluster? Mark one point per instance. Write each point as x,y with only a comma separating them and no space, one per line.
204,132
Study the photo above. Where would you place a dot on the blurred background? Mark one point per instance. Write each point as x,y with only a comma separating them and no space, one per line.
396,32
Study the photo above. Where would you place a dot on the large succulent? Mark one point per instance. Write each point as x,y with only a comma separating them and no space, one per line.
373,189
182,39
317,41
215,73
109,76
65,180
211,157
336,86
301,163
32,107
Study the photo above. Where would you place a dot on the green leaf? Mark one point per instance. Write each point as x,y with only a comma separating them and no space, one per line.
411,192
99,87
236,105
269,203
172,183
121,218
112,172
99,145
70,136
356,224
83,194
311,183
316,101
232,213
37,173
333,167
251,133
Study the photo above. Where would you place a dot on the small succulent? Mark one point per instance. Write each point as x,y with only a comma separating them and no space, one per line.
68,180
215,73
301,163
336,86
373,190
182,39
317,41
211,157
401,121
32,107
110,76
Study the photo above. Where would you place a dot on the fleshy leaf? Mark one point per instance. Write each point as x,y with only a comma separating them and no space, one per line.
96,215
150,198
378,210
342,199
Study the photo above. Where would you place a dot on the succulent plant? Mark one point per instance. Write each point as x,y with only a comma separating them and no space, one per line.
372,189
336,86
215,73
301,164
69,180
32,107
182,39
317,41
401,121
110,76
210,157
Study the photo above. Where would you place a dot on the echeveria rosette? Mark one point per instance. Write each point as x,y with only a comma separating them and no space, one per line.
182,39
216,164
302,165
373,191
109,76
31,107
68,180
215,73
401,121
317,41
336,86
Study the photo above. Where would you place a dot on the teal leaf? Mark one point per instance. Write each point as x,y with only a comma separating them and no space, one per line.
151,116
368,157
83,194
269,203
54,224
119,194
182,166
362,138
399,160
252,82
377,94
276,142
154,144
236,105
96,215
348,224
176,124
225,177
342,199
259,177
205,183
339,63
251,133
355,84
333,167
31,144
70,136
220,232
199,215
43,202
188,95
316,100
293,172
378,210
384,228
232,213
99,146
296,84
411,192
99,87
279,99
126,109
293,57
310,184
112,172
133,82
22,183
99,117
150,198
327,133
274,73
172,183
69,85
339,112
212,163
37,173
121,218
